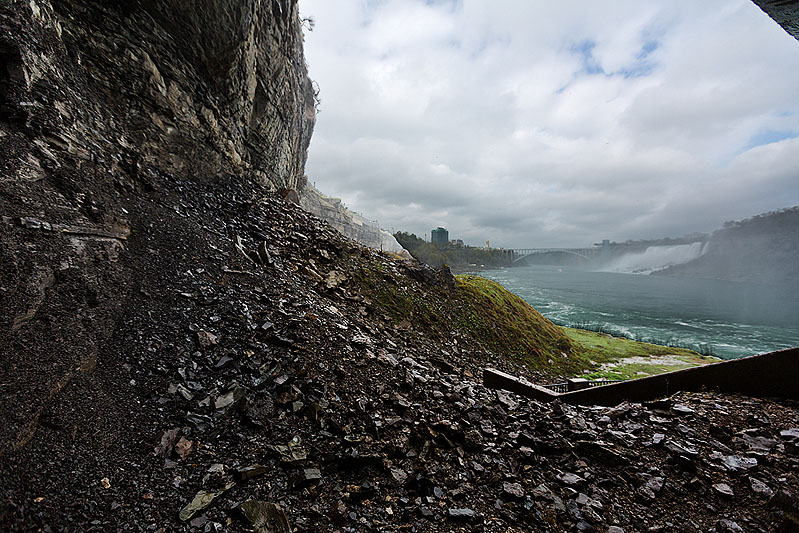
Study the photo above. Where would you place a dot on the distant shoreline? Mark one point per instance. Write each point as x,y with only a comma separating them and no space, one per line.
473,269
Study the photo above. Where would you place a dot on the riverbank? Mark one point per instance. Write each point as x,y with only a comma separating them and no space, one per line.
721,318
472,269
589,354
620,358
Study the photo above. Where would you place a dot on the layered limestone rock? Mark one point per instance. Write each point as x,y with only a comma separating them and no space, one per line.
105,106
350,224
211,88
785,13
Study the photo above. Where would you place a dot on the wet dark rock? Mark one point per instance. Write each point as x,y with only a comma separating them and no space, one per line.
249,472
760,488
737,463
198,522
201,500
723,490
461,514
574,511
223,362
758,444
727,526
681,449
293,453
259,412
199,421
571,479
181,390
206,339
229,399
513,491
265,516
682,409
655,484
399,475
306,477
167,442
183,447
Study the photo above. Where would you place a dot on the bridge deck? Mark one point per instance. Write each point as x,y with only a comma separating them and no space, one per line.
521,253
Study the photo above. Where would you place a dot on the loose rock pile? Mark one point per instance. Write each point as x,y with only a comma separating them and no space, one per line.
254,383
182,351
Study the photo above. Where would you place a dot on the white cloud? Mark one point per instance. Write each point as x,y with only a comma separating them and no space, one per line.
554,124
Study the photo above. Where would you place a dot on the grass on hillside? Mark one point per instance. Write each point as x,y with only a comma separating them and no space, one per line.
620,358
482,309
517,329
509,326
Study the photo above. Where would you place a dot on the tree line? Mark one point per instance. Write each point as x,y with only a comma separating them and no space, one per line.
457,256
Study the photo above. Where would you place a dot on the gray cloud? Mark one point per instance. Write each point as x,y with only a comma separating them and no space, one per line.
554,124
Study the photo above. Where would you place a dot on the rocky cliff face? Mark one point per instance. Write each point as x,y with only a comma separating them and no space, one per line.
785,13
350,224
180,350
762,249
213,89
100,102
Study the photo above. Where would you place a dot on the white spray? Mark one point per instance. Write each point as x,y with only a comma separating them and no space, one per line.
656,258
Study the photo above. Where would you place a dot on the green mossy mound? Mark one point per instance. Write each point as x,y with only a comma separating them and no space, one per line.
483,313
479,311
509,325
620,358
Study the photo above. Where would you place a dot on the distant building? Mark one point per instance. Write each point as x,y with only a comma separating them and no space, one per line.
457,242
439,236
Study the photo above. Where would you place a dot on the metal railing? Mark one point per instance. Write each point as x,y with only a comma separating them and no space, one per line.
565,387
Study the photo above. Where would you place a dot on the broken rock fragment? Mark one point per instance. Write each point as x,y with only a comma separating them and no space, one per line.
183,448
306,477
201,500
228,399
513,491
249,472
724,490
292,453
167,443
461,515
265,516
760,488
206,339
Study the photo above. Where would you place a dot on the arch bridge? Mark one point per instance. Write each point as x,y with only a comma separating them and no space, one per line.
586,253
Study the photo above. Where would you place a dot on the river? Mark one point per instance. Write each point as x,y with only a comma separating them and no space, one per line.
727,319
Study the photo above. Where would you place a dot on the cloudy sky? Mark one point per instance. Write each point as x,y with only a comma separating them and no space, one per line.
534,123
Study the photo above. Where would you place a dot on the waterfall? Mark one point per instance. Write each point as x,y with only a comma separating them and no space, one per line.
657,258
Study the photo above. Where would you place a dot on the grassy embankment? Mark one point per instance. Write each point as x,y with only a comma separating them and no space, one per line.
620,358
528,335
477,308
488,313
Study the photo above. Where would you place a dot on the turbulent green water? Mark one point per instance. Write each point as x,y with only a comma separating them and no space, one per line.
729,319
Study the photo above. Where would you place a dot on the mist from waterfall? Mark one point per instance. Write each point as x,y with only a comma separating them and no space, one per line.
656,258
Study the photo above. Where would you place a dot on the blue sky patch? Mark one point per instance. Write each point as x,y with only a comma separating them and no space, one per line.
585,49
767,136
